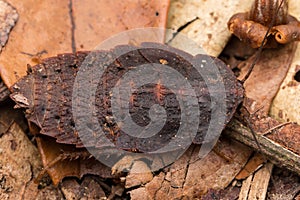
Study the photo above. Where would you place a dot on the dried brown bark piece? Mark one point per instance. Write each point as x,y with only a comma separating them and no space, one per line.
46,93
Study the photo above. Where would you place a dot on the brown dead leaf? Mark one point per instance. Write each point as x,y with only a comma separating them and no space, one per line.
47,28
215,172
139,174
252,165
190,177
88,189
19,166
261,88
70,161
97,20
267,76
19,160
43,30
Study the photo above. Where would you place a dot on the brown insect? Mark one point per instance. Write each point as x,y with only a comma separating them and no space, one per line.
46,94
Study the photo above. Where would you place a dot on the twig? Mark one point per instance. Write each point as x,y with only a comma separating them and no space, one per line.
276,153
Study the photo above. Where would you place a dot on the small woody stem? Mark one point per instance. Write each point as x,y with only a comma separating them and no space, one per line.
277,154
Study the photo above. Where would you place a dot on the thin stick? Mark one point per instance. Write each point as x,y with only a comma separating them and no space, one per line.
276,127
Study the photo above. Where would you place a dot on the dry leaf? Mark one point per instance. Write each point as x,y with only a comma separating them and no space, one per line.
190,177
20,164
286,104
266,77
71,25
97,20
8,116
139,174
44,29
252,165
205,21
70,161
88,189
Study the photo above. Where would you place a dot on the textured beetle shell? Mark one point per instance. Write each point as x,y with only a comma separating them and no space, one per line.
46,94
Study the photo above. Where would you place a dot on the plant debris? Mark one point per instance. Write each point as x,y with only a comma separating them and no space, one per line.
252,27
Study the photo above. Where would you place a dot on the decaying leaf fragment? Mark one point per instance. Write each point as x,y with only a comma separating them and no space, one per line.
19,166
204,22
190,177
289,92
252,27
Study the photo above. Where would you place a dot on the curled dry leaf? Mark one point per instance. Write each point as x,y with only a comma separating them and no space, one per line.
281,141
251,27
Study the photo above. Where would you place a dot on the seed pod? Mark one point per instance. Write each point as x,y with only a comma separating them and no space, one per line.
247,31
46,94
